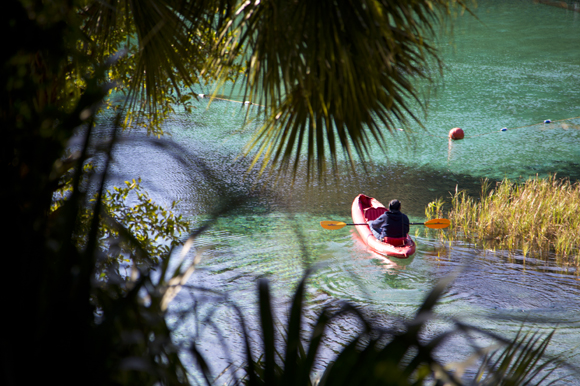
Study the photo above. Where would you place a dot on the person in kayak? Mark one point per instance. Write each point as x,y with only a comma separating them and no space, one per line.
392,226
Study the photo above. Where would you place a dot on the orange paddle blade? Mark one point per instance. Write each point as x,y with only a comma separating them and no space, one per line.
332,224
438,223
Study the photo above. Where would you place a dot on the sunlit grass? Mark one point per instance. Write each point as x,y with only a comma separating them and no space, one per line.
540,215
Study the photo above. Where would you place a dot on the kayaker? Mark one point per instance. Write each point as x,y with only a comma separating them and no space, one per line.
392,226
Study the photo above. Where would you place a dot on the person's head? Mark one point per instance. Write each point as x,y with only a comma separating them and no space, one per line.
394,205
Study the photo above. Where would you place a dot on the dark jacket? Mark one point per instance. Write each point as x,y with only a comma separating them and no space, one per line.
391,224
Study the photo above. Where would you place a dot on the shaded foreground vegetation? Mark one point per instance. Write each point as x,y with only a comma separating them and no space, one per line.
67,322
401,354
540,215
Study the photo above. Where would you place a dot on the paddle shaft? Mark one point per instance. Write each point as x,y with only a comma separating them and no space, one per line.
411,223
436,223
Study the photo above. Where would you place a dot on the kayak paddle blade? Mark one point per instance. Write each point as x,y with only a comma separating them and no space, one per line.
332,225
438,223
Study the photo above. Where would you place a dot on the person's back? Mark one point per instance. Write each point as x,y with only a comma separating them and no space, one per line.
393,224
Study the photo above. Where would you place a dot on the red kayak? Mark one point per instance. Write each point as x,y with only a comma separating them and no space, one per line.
364,209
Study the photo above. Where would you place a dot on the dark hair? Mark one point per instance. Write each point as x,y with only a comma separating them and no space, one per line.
394,205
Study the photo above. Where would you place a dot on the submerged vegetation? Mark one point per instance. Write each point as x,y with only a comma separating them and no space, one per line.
539,215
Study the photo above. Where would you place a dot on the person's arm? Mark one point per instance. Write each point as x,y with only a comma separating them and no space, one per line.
377,223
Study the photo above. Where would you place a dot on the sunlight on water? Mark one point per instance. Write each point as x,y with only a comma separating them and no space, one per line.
515,67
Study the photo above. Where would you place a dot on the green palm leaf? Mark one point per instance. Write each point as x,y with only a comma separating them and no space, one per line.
332,74
167,43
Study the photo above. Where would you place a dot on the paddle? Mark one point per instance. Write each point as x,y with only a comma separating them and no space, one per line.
436,223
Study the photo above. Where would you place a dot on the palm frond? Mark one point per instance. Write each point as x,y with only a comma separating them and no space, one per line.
167,44
521,362
332,74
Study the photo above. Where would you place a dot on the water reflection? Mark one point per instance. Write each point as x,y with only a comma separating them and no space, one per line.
389,265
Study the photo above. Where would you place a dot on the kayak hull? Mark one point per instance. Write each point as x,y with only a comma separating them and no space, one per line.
365,208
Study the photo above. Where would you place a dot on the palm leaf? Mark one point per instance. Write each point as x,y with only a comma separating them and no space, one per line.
267,321
167,44
521,362
332,74
294,349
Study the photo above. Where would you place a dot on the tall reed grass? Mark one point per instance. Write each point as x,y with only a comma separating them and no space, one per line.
539,215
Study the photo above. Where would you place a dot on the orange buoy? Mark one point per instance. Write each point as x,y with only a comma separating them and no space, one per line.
456,133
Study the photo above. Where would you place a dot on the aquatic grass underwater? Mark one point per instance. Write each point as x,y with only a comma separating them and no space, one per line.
539,215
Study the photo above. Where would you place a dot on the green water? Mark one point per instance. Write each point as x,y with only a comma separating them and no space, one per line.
515,67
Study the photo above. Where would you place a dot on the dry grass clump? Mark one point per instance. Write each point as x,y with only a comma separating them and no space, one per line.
540,215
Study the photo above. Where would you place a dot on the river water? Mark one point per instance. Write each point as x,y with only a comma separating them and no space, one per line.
515,66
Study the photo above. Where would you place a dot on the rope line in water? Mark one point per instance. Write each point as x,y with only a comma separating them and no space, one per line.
547,121
228,100
574,7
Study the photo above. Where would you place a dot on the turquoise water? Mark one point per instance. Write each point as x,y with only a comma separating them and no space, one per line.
515,67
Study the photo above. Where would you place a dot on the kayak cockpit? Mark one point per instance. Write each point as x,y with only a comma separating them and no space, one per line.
374,213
